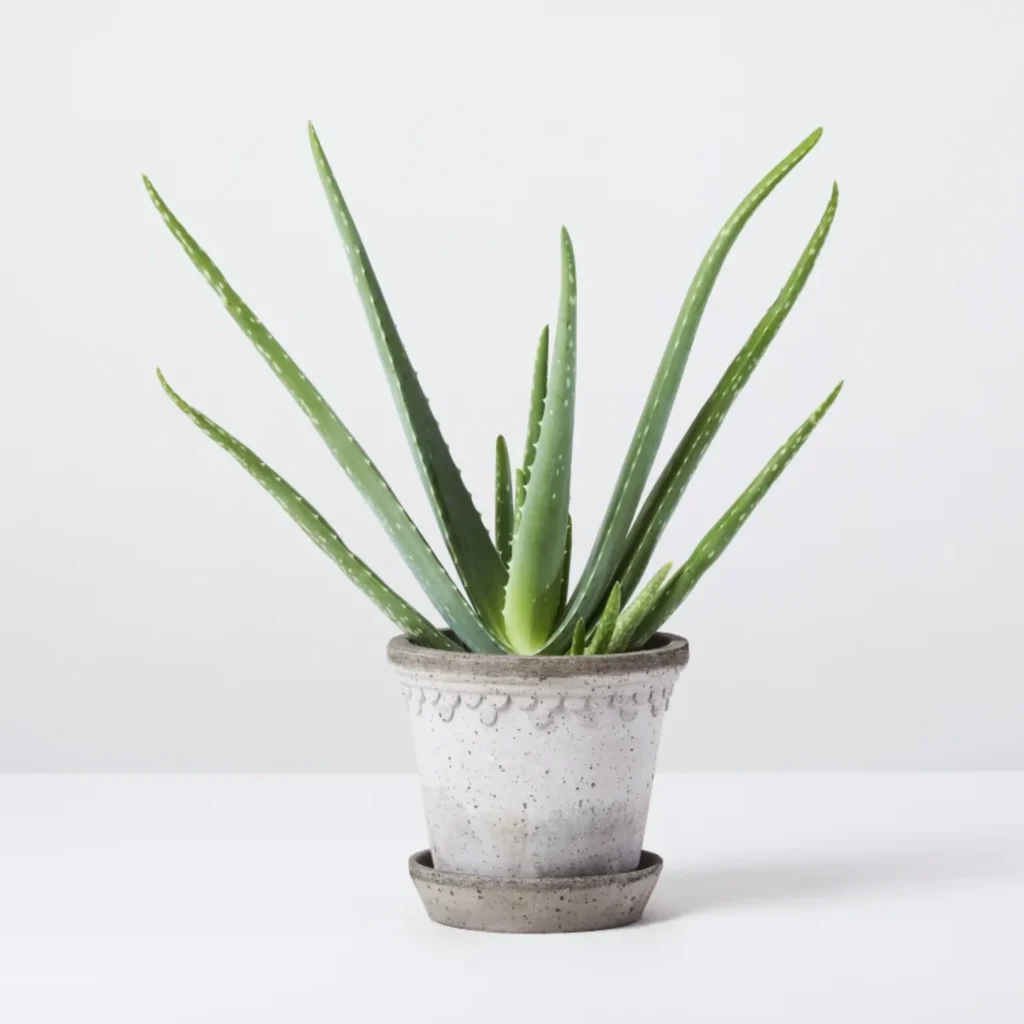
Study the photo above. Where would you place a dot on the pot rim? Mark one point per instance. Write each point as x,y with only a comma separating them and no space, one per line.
663,651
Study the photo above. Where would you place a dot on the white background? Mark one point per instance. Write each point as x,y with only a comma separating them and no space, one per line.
785,899
157,611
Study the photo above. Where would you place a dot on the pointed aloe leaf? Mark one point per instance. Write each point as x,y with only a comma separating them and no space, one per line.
410,621
502,500
538,549
610,542
635,612
566,567
718,538
664,497
606,623
538,392
579,638
477,560
349,454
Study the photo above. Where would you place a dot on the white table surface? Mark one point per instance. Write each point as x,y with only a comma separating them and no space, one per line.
790,898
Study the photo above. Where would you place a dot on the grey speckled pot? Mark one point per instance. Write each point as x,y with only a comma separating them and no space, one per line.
537,767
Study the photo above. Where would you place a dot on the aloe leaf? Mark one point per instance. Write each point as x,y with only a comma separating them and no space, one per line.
635,612
566,567
538,392
664,497
609,544
579,637
538,549
718,538
503,513
606,623
476,559
349,454
410,621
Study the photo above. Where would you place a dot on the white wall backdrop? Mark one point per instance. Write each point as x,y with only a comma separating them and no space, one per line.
157,611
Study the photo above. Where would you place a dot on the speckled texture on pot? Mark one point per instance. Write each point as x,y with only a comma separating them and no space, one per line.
537,767
534,904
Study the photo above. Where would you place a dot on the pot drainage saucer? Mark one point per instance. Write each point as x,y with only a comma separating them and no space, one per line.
581,904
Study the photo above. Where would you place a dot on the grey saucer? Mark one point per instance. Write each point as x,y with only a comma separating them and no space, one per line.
581,904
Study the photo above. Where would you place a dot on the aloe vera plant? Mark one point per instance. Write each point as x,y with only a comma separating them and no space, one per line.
512,593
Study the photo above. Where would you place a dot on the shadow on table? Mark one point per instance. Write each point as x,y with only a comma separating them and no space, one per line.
703,888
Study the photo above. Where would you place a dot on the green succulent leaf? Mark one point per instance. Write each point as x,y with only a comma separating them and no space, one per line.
503,513
410,621
349,454
538,392
606,623
718,538
609,544
635,612
566,567
664,497
478,562
538,549
579,638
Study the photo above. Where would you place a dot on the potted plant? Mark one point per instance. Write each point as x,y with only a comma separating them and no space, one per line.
537,707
